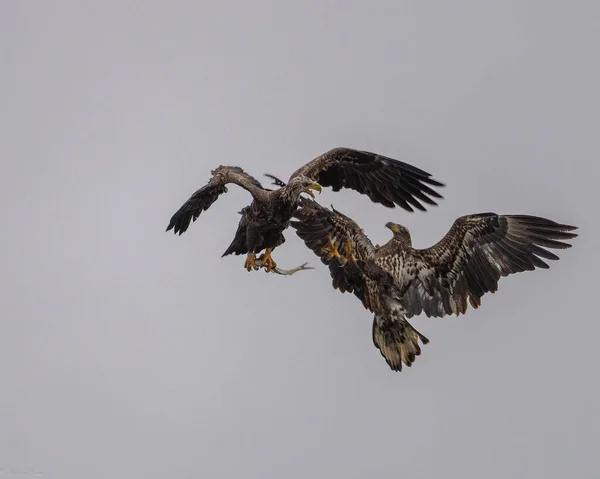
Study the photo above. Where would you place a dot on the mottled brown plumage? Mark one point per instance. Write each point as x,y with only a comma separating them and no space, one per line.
384,180
397,281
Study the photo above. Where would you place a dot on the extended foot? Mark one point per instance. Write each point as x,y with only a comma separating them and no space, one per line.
332,249
349,253
267,260
250,262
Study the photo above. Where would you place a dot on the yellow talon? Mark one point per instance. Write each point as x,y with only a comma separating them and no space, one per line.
250,262
332,249
349,252
267,260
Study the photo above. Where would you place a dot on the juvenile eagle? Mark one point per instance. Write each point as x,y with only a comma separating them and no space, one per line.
384,180
396,281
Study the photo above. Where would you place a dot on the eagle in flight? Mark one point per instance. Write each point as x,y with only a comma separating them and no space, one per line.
396,281
384,180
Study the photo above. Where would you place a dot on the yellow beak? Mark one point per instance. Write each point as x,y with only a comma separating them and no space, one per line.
393,227
315,186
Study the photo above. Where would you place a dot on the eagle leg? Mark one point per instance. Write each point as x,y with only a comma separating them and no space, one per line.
267,260
349,253
332,249
250,262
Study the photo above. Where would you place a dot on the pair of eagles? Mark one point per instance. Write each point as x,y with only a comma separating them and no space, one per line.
394,281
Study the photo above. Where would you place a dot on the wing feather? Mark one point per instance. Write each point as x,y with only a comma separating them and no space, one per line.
384,180
315,224
470,260
203,198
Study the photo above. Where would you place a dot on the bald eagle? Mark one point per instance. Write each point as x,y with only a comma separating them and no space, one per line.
384,180
396,281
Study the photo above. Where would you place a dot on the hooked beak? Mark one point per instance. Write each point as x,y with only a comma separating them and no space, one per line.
393,227
314,186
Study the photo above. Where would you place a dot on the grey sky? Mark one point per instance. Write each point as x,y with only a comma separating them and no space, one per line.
128,352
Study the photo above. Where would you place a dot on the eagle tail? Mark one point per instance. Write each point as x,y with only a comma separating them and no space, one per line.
397,341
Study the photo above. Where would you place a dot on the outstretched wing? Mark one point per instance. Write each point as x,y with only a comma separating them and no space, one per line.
469,261
384,180
316,225
202,199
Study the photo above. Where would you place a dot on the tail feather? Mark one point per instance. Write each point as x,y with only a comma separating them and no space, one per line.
397,341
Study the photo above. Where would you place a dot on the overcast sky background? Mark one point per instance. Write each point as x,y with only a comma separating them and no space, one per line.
129,352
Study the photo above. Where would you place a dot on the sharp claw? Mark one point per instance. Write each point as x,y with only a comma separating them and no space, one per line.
266,261
349,252
332,249
250,262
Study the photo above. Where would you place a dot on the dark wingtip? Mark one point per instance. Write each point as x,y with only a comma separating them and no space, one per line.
433,182
565,228
435,194
179,223
172,226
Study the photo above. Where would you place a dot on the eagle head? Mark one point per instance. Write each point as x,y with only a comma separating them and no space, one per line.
400,232
303,184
